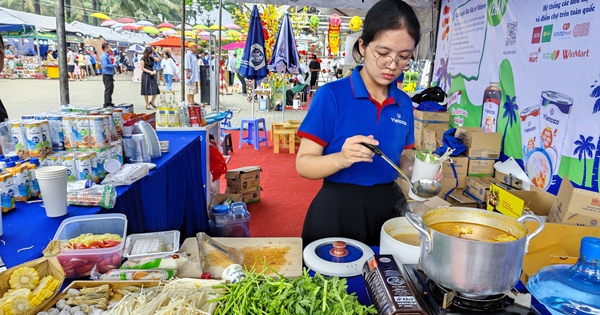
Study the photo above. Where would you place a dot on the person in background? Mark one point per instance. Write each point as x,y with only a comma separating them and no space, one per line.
117,57
192,73
206,59
82,65
158,66
71,61
50,60
168,65
299,86
108,73
89,67
315,69
232,67
222,64
124,63
359,192
149,80
11,54
3,113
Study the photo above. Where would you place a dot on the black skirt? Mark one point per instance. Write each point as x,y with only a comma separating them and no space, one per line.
352,211
149,84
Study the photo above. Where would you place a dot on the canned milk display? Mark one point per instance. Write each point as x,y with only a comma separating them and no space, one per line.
68,160
18,132
35,142
7,197
83,132
530,130
46,136
83,164
94,164
118,120
555,112
116,150
96,131
56,132
112,135
69,124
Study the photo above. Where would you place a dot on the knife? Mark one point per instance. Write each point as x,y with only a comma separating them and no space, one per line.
2,265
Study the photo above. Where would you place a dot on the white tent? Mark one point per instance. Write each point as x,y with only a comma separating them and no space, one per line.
97,31
42,23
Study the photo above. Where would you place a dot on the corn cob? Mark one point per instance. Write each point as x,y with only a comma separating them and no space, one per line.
24,277
44,290
16,305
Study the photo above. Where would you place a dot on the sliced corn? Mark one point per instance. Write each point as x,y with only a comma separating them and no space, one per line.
24,277
44,290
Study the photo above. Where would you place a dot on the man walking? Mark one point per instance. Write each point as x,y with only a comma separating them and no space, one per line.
192,73
232,68
71,63
108,73
315,68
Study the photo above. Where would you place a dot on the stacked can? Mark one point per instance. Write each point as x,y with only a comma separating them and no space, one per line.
83,164
19,137
97,131
83,132
56,132
69,124
67,159
118,121
34,139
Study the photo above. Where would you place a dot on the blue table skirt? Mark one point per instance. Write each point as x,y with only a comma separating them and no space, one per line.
171,197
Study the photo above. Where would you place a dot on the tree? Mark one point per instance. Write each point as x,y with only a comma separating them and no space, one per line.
584,149
202,8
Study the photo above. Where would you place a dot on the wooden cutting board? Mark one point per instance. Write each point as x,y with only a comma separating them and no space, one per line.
283,254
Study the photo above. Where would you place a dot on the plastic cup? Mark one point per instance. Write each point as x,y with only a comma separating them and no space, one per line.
164,146
53,187
423,170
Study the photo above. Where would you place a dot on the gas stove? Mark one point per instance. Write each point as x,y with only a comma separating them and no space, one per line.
435,299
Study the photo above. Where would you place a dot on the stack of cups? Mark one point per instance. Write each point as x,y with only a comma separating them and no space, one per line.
53,187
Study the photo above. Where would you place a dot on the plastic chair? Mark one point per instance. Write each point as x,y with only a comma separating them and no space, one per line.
253,135
225,137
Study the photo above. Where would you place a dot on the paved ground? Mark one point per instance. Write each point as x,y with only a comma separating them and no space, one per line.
31,96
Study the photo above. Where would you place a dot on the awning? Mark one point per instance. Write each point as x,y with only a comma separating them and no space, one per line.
97,31
41,22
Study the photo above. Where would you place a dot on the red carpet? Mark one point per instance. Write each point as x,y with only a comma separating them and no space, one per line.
285,196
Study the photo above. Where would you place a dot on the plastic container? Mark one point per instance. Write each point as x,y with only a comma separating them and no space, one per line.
230,221
79,262
566,289
168,242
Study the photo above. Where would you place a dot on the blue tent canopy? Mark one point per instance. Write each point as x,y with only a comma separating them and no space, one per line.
6,28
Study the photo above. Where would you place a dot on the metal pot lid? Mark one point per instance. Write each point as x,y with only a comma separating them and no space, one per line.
337,256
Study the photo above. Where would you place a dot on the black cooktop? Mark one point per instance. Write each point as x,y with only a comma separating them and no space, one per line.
431,299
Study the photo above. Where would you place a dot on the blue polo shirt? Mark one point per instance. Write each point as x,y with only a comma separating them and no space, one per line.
344,108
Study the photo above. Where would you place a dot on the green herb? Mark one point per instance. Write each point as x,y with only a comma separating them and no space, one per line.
262,294
425,156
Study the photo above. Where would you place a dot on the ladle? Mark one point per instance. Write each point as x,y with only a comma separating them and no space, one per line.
424,188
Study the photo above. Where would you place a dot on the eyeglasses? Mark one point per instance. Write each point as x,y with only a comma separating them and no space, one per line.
383,61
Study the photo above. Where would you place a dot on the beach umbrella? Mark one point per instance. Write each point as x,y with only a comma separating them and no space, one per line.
200,27
100,15
216,27
108,23
136,48
150,30
126,20
190,34
234,45
232,27
254,64
169,32
204,33
216,33
233,33
117,25
187,27
166,25
130,27
145,23
285,55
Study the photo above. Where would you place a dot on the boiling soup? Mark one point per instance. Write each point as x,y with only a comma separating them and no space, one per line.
473,231
408,238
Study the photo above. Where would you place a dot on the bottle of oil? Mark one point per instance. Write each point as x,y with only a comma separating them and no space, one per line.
491,107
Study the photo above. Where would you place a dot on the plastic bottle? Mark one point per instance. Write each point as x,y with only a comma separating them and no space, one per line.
491,107
230,221
566,289
218,216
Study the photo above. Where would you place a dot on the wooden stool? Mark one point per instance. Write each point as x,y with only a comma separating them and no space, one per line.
285,138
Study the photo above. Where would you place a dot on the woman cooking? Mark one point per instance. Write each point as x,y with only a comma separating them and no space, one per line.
359,193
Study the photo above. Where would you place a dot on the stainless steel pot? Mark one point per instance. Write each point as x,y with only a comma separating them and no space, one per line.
476,268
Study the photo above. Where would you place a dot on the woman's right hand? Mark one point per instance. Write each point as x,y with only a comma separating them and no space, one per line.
353,151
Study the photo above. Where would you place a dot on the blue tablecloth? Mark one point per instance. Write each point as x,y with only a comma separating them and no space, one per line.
171,197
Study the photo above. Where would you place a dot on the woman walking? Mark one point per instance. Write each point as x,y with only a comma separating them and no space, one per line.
168,65
149,83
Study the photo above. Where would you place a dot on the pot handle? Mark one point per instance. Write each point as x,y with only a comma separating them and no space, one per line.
418,223
536,232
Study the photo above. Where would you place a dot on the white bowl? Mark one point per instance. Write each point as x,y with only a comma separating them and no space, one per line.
404,253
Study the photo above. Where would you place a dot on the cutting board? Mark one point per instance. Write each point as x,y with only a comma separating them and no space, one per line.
283,254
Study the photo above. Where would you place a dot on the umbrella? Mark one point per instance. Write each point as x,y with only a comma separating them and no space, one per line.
126,20
187,27
216,27
216,33
285,55
254,64
233,33
234,45
117,25
200,27
166,25
232,27
169,32
136,48
150,30
204,33
100,15
145,23
130,27
108,23
173,42
190,34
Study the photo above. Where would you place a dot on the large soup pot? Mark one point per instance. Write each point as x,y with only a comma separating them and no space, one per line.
472,267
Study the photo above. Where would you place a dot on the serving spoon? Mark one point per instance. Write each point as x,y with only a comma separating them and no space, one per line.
424,188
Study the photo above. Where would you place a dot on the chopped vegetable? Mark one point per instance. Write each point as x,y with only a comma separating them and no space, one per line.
24,277
262,294
426,156
89,240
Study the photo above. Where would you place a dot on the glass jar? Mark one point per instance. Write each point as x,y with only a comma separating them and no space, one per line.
566,289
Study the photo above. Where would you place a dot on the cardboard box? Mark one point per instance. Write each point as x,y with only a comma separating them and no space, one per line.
430,141
478,188
485,145
243,178
250,195
556,244
431,117
508,179
575,206
460,199
461,164
220,198
481,167
435,121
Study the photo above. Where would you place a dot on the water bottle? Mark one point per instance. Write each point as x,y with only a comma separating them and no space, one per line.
230,221
140,149
218,218
566,289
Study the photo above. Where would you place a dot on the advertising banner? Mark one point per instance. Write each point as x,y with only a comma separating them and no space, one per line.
529,70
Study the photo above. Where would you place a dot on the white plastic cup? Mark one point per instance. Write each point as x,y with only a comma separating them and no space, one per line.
164,146
423,170
53,187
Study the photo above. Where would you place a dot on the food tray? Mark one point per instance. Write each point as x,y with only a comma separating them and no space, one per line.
170,240
114,285
45,266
